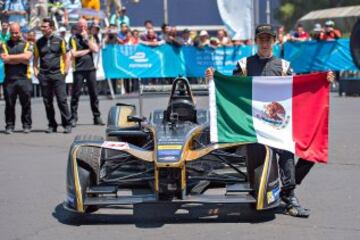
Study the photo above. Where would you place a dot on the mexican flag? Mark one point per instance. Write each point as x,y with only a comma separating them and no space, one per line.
285,112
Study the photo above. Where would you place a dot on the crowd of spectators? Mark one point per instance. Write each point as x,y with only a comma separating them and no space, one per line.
170,35
119,32
116,27
28,13
318,33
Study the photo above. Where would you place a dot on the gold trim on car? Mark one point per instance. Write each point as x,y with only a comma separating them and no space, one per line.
77,186
192,155
263,181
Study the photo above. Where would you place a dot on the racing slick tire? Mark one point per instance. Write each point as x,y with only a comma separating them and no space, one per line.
89,165
90,156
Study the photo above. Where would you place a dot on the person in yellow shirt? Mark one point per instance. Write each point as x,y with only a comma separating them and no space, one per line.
93,4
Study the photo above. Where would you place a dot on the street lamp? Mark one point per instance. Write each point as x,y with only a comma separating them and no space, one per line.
268,11
166,17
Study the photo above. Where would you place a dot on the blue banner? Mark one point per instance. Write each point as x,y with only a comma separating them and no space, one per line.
141,61
319,56
222,59
168,61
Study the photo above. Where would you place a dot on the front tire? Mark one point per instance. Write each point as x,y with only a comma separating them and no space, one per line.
88,159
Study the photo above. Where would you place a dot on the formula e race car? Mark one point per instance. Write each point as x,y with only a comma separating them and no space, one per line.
168,157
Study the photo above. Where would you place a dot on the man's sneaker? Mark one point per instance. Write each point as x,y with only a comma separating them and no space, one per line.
98,121
51,130
298,211
67,129
9,131
73,123
293,207
27,130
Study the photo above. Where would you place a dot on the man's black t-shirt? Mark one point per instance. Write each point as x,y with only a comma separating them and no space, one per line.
86,62
50,51
257,66
16,71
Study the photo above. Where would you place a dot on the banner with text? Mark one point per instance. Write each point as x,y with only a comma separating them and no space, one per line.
168,61
141,61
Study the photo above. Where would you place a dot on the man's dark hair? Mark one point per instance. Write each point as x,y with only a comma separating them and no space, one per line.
300,25
164,25
148,21
49,21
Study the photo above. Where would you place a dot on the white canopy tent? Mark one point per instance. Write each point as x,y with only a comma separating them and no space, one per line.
344,17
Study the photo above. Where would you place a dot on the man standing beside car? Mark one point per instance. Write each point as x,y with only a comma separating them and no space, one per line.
51,71
264,63
82,46
16,54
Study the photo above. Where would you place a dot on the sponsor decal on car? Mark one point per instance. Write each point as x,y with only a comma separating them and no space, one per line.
273,195
70,200
115,145
169,147
168,158
168,152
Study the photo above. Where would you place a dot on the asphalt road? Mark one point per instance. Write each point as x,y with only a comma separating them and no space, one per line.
32,188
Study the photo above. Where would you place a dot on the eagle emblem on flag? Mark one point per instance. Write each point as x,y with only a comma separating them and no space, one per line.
274,114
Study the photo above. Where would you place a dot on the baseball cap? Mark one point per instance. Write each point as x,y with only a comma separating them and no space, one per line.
265,29
329,23
62,29
317,27
95,25
203,33
214,40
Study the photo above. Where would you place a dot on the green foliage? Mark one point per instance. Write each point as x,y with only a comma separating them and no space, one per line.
291,10
285,14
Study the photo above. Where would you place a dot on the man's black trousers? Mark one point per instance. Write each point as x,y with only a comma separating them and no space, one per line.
79,78
289,173
287,169
13,88
55,84
302,168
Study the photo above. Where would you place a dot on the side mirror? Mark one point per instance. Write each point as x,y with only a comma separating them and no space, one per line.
138,119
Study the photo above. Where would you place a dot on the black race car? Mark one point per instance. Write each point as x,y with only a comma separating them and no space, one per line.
168,157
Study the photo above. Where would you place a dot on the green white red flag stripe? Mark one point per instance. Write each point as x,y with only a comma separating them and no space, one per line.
285,112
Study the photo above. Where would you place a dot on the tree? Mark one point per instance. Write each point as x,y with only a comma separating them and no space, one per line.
291,10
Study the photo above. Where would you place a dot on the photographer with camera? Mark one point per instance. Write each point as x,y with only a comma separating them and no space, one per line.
330,32
111,35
